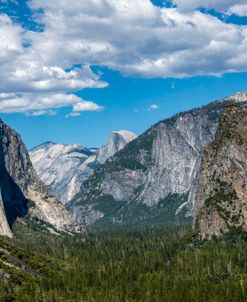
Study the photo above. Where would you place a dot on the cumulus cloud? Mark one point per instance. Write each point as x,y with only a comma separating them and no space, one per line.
137,38
220,5
154,107
27,79
86,106
41,113
37,105
10,39
238,9
32,76
134,37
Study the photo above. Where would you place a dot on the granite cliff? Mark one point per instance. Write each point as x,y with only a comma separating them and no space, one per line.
22,193
221,198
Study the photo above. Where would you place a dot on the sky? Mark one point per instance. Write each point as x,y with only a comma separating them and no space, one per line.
73,73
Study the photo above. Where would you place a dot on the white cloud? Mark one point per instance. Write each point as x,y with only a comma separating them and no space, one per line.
154,107
41,113
26,75
220,5
137,38
238,9
10,39
4,96
27,79
86,106
37,105
73,114
131,36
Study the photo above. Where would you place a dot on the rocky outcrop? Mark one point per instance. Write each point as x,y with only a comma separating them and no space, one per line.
221,198
48,209
16,161
63,168
19,183
162,163
4,226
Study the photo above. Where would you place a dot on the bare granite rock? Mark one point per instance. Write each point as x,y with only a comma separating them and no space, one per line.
19,183
221,198
63,168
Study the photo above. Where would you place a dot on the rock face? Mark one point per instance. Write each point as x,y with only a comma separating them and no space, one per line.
154,178
117,141
19,184
221,199
63,168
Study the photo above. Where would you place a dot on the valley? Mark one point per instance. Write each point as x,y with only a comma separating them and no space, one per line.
161,218
149,265
123,151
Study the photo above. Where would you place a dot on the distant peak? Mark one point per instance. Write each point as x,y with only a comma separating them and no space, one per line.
48,143
239,96
126,134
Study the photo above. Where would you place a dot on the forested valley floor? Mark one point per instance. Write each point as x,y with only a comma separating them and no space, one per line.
147,265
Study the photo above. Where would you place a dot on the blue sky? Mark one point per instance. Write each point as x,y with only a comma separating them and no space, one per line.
129,65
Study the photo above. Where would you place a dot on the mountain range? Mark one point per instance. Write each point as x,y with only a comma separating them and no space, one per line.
65,167
190,168
154,179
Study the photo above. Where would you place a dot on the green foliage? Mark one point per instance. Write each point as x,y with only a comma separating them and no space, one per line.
219,197
32,227
125,162
132,214
223,196
21,269
149,265
145,142
128,158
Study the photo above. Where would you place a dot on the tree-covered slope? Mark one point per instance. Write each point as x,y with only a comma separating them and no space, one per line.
22,271
148,265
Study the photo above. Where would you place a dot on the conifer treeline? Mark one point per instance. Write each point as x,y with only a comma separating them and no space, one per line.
134,266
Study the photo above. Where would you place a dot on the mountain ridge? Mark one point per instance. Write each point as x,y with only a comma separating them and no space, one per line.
63,167
160,164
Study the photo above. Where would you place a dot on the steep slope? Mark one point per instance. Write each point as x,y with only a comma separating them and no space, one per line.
221,199
19,267
22,192
63,168
117,141
153,179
